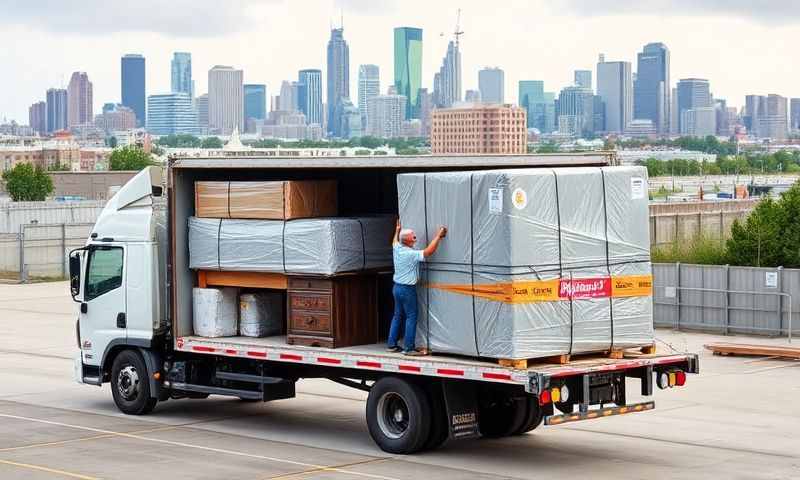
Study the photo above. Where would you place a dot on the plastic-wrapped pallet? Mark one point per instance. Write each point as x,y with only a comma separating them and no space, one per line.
260,314
525,270
322,246
215,312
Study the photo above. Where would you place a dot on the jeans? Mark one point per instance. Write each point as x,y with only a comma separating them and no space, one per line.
405,308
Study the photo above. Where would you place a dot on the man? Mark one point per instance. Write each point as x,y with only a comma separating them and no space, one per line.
406,273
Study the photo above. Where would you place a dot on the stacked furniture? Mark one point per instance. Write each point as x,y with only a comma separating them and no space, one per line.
284,236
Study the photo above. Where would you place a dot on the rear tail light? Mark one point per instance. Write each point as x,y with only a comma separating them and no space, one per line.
555,395
564,394
670,379
544,397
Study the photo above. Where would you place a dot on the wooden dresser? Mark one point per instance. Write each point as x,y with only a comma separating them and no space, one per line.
332,312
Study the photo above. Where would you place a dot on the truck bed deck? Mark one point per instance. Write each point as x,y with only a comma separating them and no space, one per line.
375,357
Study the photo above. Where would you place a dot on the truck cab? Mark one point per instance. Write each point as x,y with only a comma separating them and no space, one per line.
117,279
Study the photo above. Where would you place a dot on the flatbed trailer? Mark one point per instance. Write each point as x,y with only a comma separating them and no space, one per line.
135,321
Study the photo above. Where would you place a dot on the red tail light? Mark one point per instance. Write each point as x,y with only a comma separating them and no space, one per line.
544,397
680,378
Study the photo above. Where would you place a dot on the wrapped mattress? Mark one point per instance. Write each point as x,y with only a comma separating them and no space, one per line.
537,262
319,246
215,312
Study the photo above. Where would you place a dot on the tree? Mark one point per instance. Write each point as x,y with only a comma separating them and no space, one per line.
26,183
211,142
129,158
770,236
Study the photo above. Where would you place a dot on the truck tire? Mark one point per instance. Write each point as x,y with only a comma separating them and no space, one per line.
533,418
130,385
398,415
501,415
440,425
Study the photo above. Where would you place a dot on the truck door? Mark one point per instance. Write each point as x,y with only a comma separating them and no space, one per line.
103,307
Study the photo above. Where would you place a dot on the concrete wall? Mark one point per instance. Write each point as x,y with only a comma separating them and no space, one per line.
89,185
14,214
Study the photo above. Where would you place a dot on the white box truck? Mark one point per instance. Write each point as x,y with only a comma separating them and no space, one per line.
133,284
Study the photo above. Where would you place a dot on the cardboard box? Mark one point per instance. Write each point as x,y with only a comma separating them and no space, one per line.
275,200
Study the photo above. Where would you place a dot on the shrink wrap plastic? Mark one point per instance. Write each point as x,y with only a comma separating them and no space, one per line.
215,312
319,246
260,314
533,260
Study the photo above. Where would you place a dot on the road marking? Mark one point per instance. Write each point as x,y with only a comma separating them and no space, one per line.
85,439
199,447
759,370
285,476
48,470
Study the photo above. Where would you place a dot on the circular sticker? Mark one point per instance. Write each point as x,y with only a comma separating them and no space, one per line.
519,198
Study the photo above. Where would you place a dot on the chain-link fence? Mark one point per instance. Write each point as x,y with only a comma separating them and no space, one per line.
39,251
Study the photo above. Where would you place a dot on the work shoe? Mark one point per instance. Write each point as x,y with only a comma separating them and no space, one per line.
394,349
413,353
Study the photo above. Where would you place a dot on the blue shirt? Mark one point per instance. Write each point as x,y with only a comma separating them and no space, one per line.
406,264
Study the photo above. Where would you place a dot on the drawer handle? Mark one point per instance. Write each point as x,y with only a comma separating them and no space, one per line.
310,320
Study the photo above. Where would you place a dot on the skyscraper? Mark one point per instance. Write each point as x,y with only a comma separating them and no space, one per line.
288,97
255,101
794,116
767,116
448,90
576,111
615,87
583,78
79,100
171,113
37,117
369,85
693,93
201,105
385,115
651,91
472,96
310,94
491,83
56,109
133,85
225,105
408,67
338,79
181,67
539,105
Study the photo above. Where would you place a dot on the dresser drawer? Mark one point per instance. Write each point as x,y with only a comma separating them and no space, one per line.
310,301
304,283
310,322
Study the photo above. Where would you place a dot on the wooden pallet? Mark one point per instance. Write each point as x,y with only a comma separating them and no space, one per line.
524,363
754,350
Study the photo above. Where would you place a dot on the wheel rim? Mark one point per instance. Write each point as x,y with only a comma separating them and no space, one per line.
128,383
393,415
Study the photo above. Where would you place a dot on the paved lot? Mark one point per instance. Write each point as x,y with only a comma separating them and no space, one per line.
739,419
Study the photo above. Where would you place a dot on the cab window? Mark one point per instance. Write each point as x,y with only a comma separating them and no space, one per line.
104,271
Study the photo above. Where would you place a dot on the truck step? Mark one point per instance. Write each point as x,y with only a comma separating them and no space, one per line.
233,392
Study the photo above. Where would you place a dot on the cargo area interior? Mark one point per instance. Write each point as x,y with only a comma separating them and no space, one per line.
363,191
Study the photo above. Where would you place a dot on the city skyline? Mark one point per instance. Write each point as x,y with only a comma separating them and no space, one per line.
369,31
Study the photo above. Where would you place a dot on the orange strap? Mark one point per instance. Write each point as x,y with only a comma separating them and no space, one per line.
557,289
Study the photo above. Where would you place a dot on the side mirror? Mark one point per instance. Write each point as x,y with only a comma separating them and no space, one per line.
75,273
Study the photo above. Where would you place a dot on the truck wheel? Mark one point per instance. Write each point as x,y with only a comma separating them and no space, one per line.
533,418
501,415
130,384
398,415
440,425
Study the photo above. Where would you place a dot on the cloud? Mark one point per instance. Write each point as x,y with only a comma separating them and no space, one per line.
366,7
177,18
774,12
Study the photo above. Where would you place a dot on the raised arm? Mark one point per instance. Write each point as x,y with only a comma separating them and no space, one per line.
396,237
431,248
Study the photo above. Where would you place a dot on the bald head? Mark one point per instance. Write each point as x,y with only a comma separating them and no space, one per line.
408,237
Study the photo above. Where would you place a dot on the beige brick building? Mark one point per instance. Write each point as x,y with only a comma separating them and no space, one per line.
479,129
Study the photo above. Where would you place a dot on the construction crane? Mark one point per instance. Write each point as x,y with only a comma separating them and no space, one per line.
458,32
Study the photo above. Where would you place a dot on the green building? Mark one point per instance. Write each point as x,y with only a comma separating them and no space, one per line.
539,105
408,67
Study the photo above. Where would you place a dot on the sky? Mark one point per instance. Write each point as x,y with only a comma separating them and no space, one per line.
742,46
